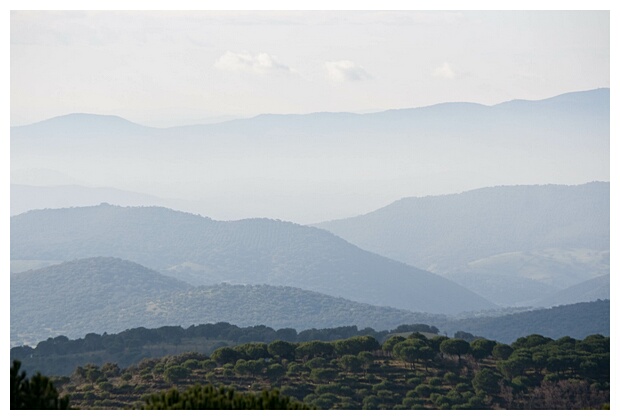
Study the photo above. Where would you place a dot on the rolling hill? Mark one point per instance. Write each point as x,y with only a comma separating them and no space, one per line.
587,291
76,296
203,251
105,294
577,320
553,234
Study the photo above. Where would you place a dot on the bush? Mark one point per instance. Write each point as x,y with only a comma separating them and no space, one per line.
175,373
414,381
435,381
423,390
191,364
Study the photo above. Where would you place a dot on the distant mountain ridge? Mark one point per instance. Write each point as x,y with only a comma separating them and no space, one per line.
32,197
570,100
590,290
254,251
344,164
556,234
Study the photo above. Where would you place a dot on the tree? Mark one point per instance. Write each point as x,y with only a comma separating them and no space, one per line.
253,351
486,381
455,347
389,344
208,397
275,371
175,372
314,348
36,393
502,351
225,355
350,363
323,374
530,341
281,349
408,352
481,348
354,345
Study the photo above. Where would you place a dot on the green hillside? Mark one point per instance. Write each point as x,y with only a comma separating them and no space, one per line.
99,295
254,251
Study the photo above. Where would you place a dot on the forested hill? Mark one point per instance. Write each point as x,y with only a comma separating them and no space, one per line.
577,320
82,296
99,295
253,251
554,233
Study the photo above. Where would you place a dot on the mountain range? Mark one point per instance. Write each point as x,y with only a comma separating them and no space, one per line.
106,294
203,251
344,164
511,244
109,295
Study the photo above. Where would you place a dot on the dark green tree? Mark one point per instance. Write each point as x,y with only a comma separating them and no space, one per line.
282,349
315,348
455,347
389,344
36,393
486,381
225,355
482,348
502,351
354,345
210,398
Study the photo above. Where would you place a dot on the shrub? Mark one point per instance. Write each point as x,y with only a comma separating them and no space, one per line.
175,373
435,381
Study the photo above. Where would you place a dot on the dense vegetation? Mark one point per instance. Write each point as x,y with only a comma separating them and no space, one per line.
61,356
111,295
254,251
405,372
98,295
577,320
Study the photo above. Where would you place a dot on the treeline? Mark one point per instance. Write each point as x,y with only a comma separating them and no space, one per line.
413,372
60,355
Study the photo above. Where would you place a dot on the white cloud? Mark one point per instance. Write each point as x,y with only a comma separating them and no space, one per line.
445,71
345,70
260,63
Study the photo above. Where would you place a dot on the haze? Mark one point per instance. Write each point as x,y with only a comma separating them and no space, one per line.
171,69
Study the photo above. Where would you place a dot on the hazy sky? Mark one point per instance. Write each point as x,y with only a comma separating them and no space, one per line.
172,68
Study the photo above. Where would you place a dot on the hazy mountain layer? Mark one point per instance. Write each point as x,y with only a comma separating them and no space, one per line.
554,234
577,320
31,197
110,295
504,290
589,290
341,164
74,297
203,251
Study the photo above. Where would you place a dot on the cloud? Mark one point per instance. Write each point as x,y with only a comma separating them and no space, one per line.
260,63
445,71
345,70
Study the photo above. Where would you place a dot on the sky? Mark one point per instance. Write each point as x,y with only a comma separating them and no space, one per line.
168,68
